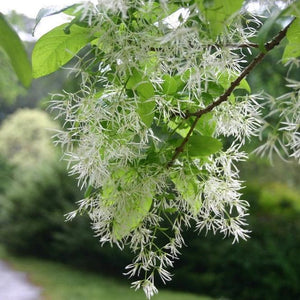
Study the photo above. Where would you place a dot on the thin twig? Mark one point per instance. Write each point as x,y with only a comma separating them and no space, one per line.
268,47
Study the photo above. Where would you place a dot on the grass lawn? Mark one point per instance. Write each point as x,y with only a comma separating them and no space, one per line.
60,282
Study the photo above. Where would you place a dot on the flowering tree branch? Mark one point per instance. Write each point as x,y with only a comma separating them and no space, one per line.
120,133
224,97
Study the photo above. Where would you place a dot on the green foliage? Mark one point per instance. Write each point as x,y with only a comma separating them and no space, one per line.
206,125
9,83
219,13
293,47
129,216
162,85
32,206
25,138
278,199
56,48
189,191
200,145
14,48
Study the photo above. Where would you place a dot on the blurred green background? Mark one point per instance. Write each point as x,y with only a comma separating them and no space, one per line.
69,263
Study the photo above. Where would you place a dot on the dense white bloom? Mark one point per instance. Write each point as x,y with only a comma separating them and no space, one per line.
135,106
241,119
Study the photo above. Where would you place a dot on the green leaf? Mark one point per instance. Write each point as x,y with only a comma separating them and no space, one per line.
132,209
146,106
131,215
215,90
293,47
146,111
226,79
169,85
199,145
206,125
189,190
183,129
263,33
135,78
52,10
218,13
14,48
145,90
55,48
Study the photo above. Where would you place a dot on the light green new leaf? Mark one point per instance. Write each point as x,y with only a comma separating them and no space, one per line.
14,48
130,216
226,79
169,85
145,90
56,48
183,129
146,106
189,190
218,13
134,79
206,125
293,47
200,145
146,111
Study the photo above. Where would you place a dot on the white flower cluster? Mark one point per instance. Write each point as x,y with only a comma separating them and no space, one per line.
241,120
283,137
122,159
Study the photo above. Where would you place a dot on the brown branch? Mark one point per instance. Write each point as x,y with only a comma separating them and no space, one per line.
268,47
246,45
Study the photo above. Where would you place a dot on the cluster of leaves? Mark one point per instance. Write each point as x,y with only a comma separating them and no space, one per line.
163,88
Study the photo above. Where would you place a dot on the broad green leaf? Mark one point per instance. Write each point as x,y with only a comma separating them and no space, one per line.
56,48
169,85
206,125
14,48
182,130
199,145
131,215
131,206
226,79
263,33
188,187
134,208
146,111
215,90
293,47
145,90
207,98
134,79
52,10
146,106
218,13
